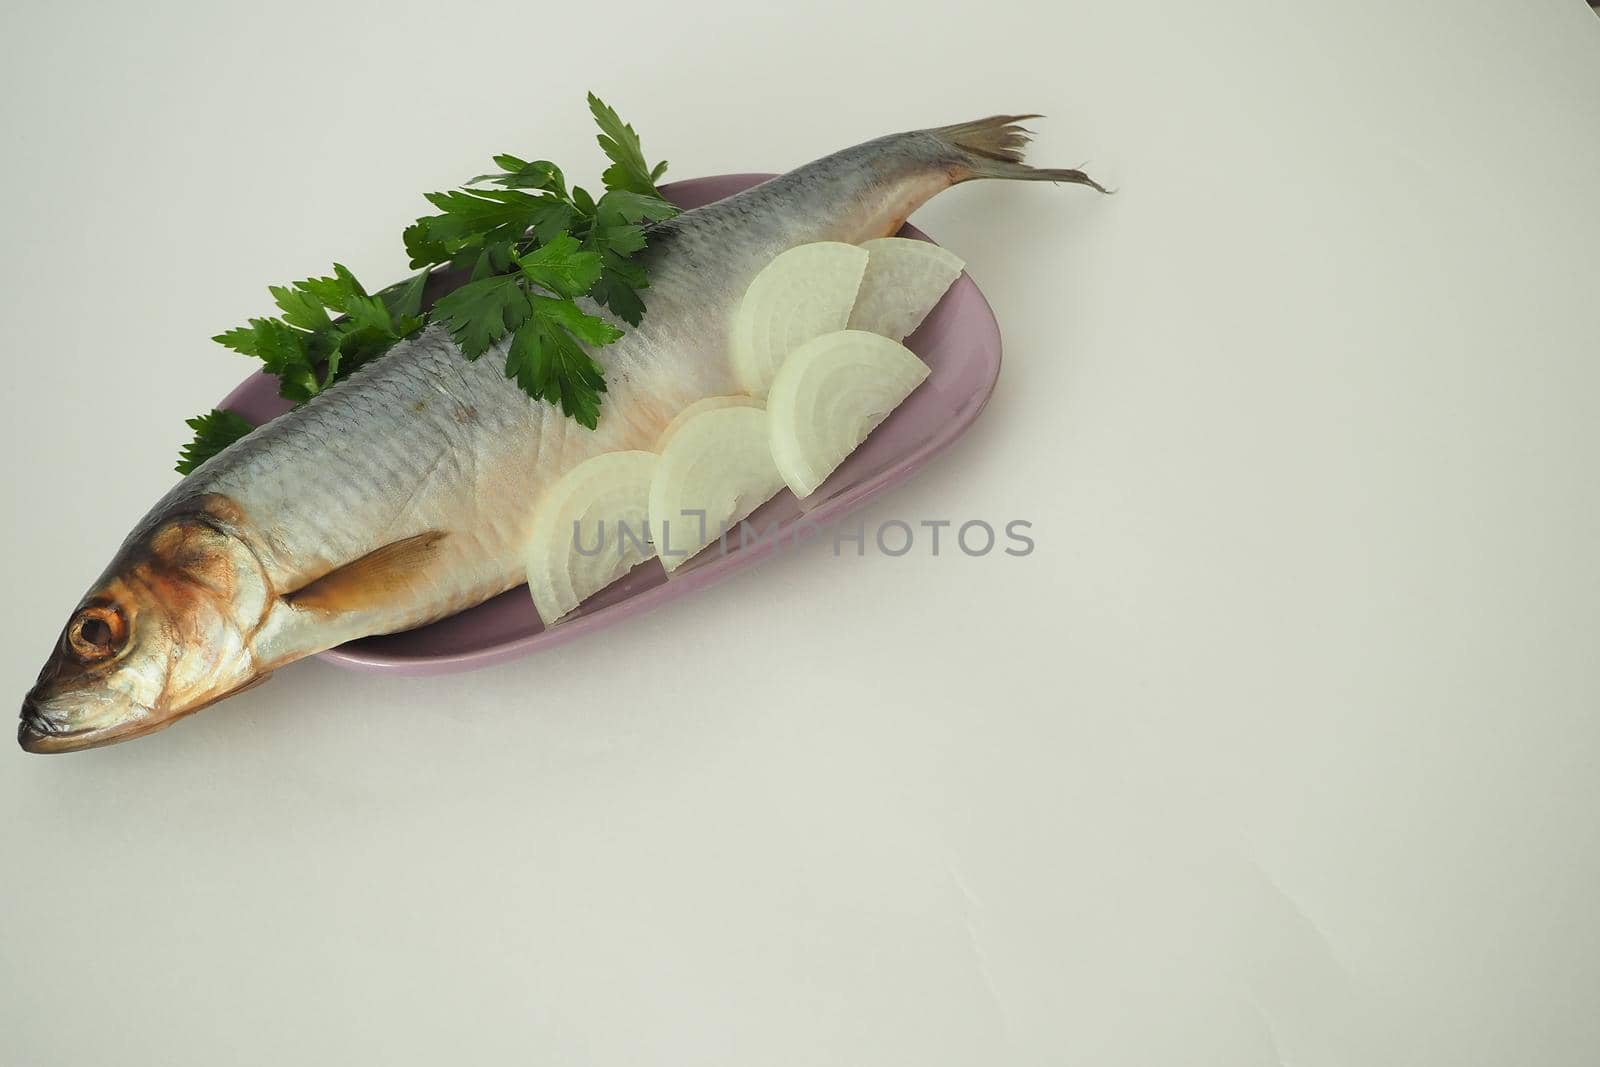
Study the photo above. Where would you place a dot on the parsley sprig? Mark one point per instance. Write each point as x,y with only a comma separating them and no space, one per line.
305,337
213,431
529,248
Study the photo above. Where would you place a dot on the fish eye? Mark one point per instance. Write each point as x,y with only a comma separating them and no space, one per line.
96,632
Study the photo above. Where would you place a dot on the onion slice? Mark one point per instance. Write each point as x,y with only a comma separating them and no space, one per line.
589,529
710,403
903,281
830,394
716,470
802,293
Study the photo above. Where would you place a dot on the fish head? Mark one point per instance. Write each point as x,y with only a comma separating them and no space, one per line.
165,632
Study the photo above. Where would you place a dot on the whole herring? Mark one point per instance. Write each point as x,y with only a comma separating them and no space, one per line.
267,553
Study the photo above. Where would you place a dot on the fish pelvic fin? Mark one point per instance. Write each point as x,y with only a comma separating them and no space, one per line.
370,580
993,148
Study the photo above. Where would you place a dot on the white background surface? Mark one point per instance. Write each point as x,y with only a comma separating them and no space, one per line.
1281,748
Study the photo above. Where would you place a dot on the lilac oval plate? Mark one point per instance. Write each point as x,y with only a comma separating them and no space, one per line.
960,342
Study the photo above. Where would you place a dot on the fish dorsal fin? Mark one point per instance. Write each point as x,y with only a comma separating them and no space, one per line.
370,579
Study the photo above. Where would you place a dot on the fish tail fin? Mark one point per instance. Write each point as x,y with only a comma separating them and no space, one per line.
992,148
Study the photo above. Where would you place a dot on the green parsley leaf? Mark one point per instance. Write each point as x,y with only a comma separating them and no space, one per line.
591,329
424,250
618,288
479,313
621,145
549,364
354,346
624,239
213,432
474,212
283,352
561,266
300,308
369,313
514,173
334,292
306,337
405,299
493,257
620,205
242,339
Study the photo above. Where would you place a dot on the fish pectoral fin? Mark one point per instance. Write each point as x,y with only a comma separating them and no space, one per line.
370,580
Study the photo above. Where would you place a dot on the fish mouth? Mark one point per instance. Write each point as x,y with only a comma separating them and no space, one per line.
33,733
36,733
